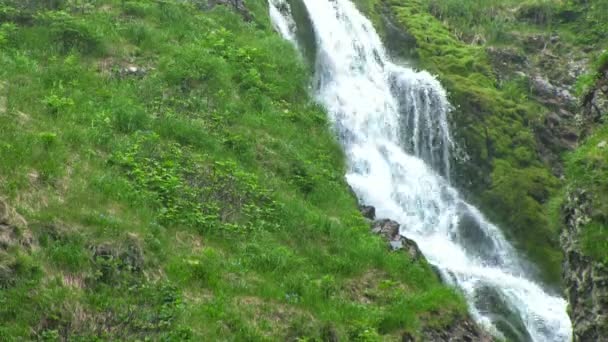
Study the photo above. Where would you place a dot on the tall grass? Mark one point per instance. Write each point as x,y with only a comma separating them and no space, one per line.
201,198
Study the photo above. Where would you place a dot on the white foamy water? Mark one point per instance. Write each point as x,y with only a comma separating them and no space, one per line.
392,123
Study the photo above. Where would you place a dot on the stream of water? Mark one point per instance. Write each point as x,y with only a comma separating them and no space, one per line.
392,122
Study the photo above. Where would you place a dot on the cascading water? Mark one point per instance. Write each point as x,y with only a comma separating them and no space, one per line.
392,123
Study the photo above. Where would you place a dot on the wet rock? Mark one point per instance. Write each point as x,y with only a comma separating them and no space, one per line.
389,229
368,211
586,280
411,248
595,101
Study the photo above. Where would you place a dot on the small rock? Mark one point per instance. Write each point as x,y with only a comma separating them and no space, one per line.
602,144
133,71
387,228
368,211
411,247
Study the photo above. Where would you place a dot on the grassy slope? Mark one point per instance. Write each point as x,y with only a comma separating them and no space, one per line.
203,198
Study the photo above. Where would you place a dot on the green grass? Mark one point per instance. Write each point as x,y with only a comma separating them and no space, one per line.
201,199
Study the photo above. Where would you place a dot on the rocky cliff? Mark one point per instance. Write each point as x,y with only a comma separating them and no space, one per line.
586,280
584,238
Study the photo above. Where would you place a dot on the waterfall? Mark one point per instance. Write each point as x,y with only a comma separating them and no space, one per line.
392,122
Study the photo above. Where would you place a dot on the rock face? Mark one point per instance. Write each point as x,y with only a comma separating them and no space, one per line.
586,281
595,102
464,330
368,212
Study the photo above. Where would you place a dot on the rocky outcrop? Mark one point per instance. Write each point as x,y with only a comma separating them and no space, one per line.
595,101
585,276
368,211
464,330
389,229
586,280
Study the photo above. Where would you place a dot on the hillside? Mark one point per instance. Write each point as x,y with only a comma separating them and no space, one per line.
165,176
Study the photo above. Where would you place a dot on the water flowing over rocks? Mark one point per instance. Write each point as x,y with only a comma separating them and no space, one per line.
392,122
586,281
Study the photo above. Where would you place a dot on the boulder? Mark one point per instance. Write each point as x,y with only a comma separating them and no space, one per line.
132,71
389,229
368,211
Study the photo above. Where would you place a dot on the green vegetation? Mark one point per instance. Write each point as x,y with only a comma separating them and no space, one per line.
502,21
178,183
586,169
